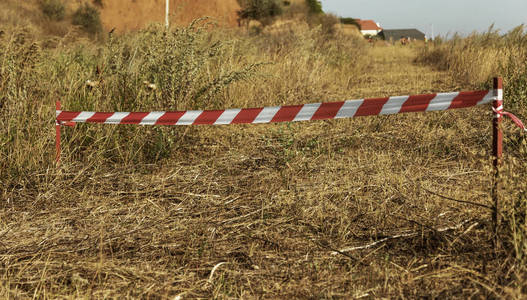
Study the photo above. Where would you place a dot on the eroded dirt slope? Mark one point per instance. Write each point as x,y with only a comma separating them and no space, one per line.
126,15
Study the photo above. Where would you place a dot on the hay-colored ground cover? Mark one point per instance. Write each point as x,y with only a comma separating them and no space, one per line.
375,207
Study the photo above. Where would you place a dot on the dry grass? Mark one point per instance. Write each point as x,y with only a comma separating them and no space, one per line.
269,207
16,14
479,57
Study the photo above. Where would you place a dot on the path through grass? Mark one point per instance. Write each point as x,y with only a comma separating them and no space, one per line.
271,206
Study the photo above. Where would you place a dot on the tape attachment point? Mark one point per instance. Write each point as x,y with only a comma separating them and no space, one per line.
68,123
499,112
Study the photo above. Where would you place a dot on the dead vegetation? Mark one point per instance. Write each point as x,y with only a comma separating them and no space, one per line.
380,207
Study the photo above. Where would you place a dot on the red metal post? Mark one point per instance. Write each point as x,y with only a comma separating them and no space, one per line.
497,147
57,135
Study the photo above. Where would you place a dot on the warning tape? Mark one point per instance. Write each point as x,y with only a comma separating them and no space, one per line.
499,113
289,113
308,112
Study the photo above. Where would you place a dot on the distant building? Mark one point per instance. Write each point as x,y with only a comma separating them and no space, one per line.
394,35
369,27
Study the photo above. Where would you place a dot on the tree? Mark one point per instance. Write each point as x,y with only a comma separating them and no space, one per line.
314,6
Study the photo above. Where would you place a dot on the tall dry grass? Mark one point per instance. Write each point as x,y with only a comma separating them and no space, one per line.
272,211
475,60
192,68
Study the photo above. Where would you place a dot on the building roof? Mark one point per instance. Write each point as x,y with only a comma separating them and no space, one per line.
396,34
368,25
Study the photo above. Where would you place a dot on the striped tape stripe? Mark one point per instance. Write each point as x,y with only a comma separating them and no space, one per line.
394,105
306,112
227,117
80,117
247,116
467,99
490,97
266,115
370,107
208,117
189,117
417,103
287,113
349,109
117,118
441,102
170,118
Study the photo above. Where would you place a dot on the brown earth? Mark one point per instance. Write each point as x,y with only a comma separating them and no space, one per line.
126,15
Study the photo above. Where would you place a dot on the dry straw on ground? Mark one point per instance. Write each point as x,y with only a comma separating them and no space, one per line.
250,211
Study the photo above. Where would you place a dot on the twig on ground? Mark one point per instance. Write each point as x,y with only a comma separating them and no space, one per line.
456,200
398,236
214,270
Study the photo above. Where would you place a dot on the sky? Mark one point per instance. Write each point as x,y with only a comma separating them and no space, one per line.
446,17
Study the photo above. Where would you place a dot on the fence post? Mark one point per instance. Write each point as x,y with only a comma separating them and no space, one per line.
497,151
57,135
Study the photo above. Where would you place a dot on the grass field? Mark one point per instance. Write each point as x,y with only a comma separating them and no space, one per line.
374,207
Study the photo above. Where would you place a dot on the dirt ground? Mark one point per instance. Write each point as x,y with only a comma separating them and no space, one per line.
127,15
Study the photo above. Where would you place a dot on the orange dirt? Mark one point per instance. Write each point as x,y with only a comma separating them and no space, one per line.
127,15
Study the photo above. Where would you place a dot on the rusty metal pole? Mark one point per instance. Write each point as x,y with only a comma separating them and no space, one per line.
497,149
57,135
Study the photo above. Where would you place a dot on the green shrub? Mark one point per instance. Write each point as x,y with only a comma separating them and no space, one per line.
53,9
350,21
315,7
261,10
88,18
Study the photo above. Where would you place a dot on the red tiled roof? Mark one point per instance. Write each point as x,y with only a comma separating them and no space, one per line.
368,25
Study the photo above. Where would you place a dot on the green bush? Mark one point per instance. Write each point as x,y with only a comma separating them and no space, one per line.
315,7
261,10
53,9
350,21
88,18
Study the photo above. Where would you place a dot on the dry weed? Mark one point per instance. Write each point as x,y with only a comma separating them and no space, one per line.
251,211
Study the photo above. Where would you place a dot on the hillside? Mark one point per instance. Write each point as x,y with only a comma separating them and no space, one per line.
123,15
131,15
126,15
27,15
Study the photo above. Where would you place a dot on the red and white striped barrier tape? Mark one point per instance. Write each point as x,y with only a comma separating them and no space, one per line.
499,113
306,112
498,106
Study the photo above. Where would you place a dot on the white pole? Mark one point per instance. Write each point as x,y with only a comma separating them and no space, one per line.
167,23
